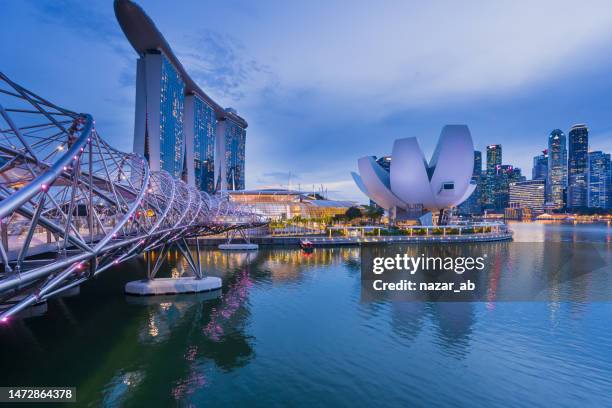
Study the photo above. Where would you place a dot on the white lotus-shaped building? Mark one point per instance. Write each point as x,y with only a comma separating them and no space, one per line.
411,181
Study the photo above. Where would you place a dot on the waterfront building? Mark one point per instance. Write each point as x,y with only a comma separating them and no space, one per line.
385,163
230,155
540,166
556,181
599,180
200,128
279,204
178,127
473,205
528,194
504,175
577,166
413,185
494,159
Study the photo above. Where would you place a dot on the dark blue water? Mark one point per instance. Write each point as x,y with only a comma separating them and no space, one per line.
290,330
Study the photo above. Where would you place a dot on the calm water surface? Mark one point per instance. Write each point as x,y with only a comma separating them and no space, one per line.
290,329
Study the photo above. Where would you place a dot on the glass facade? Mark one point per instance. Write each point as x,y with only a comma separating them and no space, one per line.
577,166
494,159
528,194
599,180
171,137
280,205
473,205
505,174
556,181
204,123
235,141
540,166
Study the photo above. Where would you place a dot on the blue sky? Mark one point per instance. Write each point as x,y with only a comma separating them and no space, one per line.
324,83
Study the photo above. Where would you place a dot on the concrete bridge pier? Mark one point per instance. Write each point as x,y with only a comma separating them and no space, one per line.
152,286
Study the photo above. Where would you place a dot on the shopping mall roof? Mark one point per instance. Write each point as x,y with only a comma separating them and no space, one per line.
331,203
268,191
305,197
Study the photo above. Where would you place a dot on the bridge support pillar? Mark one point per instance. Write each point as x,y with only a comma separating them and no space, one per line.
238,247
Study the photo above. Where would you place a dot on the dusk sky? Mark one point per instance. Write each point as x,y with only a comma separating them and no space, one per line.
322,84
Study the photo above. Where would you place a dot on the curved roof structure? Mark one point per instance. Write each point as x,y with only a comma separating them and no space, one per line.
444,181
142,33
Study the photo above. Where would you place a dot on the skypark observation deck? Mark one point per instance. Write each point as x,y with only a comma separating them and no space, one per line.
72,206
178,127
144,36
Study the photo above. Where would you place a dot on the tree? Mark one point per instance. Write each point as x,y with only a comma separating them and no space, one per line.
352,213
374,212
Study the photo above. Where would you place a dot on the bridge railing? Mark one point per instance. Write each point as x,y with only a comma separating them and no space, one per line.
80,206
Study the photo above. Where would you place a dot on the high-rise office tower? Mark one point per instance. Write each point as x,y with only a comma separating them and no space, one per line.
505,174
473,205
540,166
577,166
494,159
556,181
599,180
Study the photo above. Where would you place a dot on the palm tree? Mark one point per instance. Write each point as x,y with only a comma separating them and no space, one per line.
374,212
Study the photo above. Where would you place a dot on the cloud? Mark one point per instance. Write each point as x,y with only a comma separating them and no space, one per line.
418,54
92,24
277,179
82,17
221,64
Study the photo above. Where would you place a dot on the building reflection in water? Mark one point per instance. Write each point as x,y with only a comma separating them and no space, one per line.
119,388
407,319
454,322
234,298
217,330
166,312
195,378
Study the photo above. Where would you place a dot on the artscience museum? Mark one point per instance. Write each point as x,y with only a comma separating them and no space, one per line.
414,188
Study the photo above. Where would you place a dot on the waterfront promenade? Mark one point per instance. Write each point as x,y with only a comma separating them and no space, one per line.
358,235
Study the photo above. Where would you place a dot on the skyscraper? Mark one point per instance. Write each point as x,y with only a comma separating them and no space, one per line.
473,205
556,181
230,151
200,128
577,167
159,120
540,166
505,174
599,180
178,127
494,159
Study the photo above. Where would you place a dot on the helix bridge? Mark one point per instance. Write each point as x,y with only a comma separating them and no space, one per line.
72,206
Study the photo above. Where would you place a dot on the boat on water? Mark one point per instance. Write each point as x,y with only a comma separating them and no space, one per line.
306,245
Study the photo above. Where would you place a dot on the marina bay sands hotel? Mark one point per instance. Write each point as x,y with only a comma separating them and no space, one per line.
178,127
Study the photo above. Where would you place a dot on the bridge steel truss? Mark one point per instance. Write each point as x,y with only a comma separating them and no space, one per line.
72,206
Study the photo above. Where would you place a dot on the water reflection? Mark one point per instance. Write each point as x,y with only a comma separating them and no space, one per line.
233,300
120,386
289,326
165,312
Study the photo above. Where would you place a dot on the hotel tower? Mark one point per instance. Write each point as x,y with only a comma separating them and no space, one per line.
178,127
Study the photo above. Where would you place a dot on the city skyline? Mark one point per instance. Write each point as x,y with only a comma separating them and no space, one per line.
313,121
